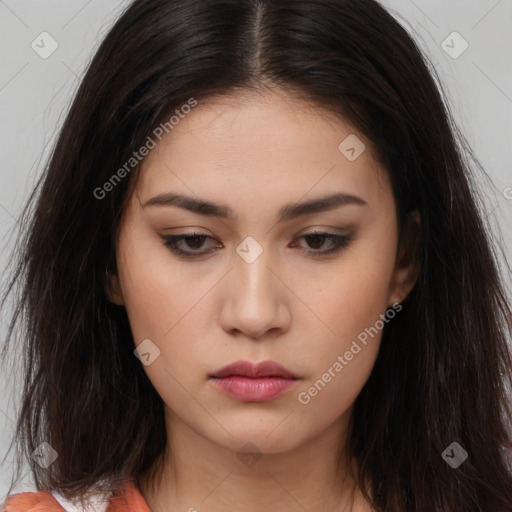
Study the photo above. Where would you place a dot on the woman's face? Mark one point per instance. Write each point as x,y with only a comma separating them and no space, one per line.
260,286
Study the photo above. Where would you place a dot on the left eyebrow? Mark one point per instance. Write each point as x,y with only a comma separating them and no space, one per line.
287,212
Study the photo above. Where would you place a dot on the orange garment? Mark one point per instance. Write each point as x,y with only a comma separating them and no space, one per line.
43,501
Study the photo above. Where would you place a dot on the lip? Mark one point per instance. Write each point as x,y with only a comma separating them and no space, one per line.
251,382
254,370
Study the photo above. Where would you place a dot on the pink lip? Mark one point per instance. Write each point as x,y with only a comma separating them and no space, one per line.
250,382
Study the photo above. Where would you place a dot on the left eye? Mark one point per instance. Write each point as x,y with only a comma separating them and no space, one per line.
318,239
194,242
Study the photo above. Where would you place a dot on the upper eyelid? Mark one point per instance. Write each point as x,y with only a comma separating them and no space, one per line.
193,234
323,230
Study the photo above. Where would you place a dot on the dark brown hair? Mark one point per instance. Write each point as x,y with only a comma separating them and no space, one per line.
444,366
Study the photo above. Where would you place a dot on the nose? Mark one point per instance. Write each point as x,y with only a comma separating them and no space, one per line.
255,298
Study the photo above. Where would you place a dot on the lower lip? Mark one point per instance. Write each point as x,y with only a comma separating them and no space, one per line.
253,390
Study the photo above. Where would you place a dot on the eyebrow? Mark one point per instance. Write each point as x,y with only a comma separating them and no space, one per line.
287,212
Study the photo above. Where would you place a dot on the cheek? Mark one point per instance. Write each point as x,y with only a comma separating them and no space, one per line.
350,303
157,294
164,303
353,295
161,303
340,368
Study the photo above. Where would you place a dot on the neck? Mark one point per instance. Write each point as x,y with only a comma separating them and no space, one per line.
198,475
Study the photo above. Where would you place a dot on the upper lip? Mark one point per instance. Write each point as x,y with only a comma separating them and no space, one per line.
254,370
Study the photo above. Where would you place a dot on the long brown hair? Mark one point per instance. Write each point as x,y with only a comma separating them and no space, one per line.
444,366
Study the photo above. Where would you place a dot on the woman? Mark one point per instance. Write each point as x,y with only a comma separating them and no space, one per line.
256,276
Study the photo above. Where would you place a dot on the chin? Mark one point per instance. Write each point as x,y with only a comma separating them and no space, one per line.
266,440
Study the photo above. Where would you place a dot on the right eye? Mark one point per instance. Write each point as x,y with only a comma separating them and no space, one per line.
194,241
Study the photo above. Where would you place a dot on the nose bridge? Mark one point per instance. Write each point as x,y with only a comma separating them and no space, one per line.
254,302
251,269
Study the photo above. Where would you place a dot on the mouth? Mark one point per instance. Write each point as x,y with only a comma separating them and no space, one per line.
264,369
250,382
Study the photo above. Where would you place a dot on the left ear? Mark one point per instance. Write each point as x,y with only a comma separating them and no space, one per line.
408,265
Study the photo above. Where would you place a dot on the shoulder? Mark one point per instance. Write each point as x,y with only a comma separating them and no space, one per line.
31,501
45,501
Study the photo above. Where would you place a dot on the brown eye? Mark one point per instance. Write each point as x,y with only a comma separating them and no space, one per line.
193,242
189,245
316,240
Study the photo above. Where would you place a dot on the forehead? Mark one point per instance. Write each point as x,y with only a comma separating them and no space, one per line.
258,147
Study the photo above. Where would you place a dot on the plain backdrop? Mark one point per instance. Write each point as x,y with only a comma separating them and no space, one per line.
35,93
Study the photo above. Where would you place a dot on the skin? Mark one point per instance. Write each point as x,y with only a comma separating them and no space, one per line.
255,153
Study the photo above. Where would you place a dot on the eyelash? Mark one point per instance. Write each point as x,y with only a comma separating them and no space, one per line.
171,242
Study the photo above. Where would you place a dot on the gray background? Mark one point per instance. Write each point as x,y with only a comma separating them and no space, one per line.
35,92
